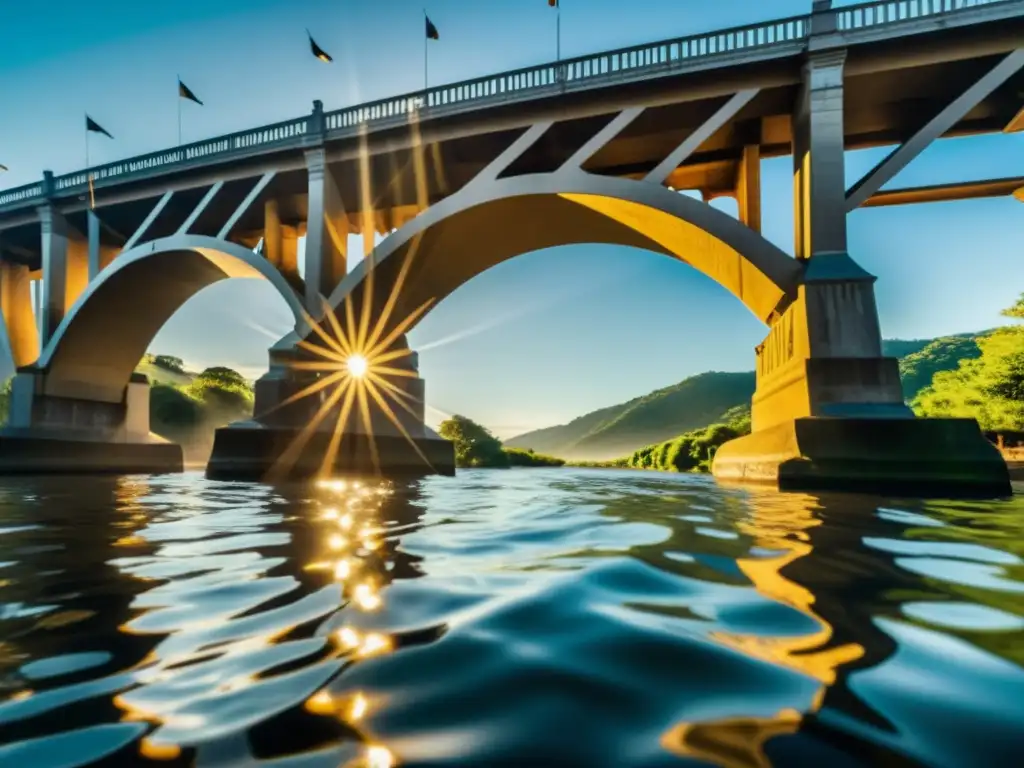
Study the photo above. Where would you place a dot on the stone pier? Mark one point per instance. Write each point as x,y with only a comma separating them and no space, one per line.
64,434
828,409
285,440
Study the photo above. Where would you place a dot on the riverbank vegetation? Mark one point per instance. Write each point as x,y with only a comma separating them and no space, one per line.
187,408
988,386
475,446
692,451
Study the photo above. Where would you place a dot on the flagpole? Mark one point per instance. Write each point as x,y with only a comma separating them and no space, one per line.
426,40
87,141
558,32
179,110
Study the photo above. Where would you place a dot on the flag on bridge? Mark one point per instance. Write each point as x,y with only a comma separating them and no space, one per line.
185,92
94,127
432,34
553,3
317,51
3,168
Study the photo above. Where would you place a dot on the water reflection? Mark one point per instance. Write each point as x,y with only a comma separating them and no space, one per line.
505,618
243,620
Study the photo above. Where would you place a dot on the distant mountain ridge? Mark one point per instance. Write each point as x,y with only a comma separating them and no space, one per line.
618,430
612,432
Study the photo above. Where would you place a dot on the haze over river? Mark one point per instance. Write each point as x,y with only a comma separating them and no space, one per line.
521,618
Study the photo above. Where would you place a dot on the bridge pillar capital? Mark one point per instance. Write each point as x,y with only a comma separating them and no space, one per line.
823,18
48,185
316,124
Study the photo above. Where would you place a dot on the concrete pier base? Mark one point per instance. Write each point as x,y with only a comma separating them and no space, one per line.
34,452
250,450
919,457
73,433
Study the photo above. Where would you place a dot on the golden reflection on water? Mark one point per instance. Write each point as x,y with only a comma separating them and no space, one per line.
131,513
780,523
352,537
348,514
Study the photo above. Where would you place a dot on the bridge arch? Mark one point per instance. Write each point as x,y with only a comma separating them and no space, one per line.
101,339
488,223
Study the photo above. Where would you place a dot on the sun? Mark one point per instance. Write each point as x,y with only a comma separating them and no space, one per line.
357,366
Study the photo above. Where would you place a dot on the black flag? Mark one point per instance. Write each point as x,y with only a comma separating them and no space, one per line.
319,52
186,93
92,125
3,168
432,33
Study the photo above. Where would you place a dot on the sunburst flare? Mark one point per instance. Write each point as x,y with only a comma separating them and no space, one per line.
353,355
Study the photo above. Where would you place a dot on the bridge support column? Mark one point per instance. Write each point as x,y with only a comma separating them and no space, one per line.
54,249
76,276
65,259
99,255
748,187
46,434
309,436
828,409
280,241
20,332
326,232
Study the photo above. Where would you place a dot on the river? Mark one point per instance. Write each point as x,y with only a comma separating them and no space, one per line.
521,618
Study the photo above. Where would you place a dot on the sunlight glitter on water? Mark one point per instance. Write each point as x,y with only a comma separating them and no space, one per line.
520,617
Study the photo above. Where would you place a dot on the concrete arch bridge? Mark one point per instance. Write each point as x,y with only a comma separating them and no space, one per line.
465,176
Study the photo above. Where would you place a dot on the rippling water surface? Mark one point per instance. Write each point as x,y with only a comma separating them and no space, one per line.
505,618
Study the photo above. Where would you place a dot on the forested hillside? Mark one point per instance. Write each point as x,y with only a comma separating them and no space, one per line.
699,401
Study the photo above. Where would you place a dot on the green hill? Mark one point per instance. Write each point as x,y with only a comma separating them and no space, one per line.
704,399
944,354
187,408
618,430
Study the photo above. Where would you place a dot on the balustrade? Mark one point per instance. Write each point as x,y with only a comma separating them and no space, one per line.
581,73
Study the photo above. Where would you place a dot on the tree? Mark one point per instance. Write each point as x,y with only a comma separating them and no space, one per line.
475,446
692,450
517,457
227,377
918,369
172,409
225,391
989,388
169,363
1017,310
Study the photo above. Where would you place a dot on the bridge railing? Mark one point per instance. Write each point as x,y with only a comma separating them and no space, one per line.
17,195
882,12
665,55
199,151
578,73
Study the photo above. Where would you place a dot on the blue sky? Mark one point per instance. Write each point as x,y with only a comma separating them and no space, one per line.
540,339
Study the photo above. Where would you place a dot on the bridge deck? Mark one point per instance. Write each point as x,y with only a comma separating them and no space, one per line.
906,60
